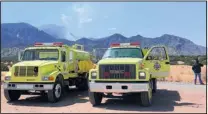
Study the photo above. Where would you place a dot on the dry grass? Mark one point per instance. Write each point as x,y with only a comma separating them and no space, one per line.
183,73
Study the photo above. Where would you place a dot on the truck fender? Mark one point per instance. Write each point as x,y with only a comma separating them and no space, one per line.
60,76
57,74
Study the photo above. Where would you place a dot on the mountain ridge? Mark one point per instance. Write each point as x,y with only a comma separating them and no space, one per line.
24,34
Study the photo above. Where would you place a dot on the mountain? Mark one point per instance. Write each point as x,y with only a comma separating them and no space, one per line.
16,36
23,34
176,45
55,30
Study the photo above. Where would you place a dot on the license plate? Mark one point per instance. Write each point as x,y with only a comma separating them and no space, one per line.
24,86
117,94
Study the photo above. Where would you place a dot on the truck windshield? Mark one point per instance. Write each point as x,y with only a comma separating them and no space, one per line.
123,52
40,54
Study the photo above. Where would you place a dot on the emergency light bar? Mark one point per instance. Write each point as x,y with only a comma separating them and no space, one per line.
49,44
125,44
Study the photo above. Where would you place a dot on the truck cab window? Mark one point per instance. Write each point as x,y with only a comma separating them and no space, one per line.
40,54
157,53
123,52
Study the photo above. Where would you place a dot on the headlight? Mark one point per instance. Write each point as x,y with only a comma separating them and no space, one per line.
93,75
47,78
7,78
142,75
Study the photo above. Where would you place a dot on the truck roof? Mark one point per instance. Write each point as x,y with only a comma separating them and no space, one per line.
125,45
44,47
56,46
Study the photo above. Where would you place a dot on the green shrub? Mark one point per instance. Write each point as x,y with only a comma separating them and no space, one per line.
188,60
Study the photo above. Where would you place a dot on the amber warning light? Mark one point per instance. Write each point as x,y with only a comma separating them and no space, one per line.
49,44
125,44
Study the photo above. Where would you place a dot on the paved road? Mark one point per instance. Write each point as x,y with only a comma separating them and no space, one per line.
171,97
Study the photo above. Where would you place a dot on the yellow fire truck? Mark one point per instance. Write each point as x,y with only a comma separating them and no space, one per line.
125,69
48,69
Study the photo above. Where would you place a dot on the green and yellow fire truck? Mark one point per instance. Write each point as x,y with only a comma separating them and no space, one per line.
126,68
48,69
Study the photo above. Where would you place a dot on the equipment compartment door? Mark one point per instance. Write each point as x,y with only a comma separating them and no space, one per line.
157,60
64,62
71,61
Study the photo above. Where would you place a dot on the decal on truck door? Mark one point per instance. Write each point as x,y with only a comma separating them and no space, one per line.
157,66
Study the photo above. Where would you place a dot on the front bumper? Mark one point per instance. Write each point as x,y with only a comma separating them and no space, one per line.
23,86
118,87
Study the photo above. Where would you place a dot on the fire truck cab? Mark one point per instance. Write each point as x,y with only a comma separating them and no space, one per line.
48,69
126,68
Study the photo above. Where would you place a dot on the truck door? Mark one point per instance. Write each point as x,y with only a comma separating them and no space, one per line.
157,60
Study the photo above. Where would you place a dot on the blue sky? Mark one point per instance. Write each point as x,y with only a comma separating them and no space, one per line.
101,19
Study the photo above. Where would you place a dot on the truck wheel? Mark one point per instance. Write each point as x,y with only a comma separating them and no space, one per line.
146,98
95,98
12,95
56,93
154,82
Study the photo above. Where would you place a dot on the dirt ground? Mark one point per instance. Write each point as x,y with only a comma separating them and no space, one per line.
172,96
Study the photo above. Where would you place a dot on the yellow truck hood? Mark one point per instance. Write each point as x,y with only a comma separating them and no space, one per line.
120,61
35,63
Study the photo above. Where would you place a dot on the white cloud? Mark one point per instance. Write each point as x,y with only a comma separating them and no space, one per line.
65,19
75,16
112,29
80,12
84,12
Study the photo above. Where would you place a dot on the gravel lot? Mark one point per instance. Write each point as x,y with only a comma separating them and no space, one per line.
171,97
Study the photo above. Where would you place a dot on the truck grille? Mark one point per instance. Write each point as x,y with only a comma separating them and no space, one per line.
25,71
119,71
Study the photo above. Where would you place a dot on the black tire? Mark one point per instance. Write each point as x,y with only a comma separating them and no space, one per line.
56,94
12,95
95,98
154,82
146,98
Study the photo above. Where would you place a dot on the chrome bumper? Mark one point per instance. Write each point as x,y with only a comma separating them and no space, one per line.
18,86
118,87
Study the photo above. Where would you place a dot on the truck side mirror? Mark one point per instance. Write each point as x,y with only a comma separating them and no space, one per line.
149,58
20,55
63,57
